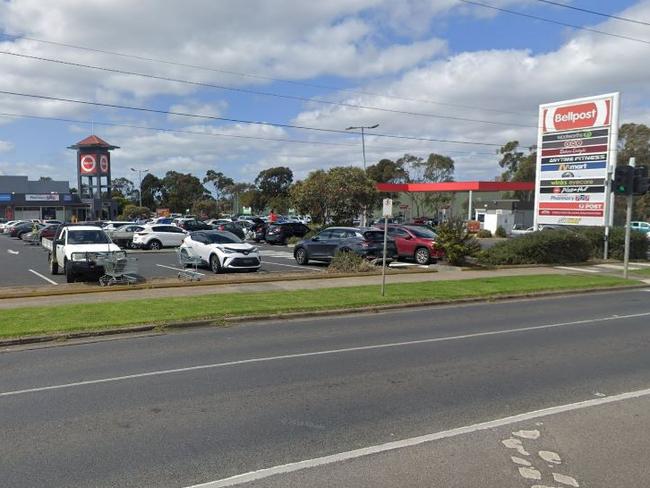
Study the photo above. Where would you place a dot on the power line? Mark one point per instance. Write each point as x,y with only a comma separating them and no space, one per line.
602,14
256,76
550,21
255,92
211,134
240,121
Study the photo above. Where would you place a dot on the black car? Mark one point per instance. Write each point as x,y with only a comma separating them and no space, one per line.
19,230
279,233
366,242
231,227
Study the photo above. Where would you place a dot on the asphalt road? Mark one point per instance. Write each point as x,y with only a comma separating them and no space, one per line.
179,409
22,264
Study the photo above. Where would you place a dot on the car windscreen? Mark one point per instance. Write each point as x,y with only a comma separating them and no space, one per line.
87,237
374,235
222,238
422,232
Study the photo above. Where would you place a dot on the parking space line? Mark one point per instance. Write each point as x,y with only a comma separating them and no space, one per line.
177,269
581,270
44,277
11,251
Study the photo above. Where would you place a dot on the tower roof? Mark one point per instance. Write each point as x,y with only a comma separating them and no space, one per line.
92,141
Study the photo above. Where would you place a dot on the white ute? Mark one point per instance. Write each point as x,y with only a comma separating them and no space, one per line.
77,250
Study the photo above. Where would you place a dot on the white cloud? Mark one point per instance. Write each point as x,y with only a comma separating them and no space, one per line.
6,146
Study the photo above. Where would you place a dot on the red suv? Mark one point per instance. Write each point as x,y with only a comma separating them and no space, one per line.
415,242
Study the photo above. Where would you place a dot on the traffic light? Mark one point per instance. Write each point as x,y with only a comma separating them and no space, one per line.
624,180
640,180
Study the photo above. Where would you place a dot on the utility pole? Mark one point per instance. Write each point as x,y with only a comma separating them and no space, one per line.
628,218
363,150
140,171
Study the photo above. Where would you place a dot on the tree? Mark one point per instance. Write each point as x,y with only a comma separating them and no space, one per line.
340,194
387,171
45,178
435,169
206,209
220,182
124,187
181,190
518,166
133,212
153,191
274,184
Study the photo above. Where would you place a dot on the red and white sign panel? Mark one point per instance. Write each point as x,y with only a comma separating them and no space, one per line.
103,163
576,148
87,164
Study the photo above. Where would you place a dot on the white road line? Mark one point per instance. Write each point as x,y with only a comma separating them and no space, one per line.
581,270
321,353
44,277
618,267
291,266
414,441
11,251
179,269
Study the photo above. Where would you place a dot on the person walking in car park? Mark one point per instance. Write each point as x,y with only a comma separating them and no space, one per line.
273,217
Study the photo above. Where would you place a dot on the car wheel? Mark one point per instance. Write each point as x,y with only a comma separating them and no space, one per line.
155,245
301,256
215,265
54,267
422,256
69,275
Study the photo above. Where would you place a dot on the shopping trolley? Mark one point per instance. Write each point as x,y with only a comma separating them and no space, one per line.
186,257
119,269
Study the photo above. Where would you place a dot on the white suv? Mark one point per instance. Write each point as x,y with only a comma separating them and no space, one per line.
157,236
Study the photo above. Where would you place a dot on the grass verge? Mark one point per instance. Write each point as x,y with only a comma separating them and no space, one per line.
96,316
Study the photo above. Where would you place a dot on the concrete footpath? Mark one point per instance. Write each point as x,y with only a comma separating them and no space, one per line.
280,285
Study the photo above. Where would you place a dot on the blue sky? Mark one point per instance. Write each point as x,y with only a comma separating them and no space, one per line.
434,50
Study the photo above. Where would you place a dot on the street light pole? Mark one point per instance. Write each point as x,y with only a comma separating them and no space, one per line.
140,171
363,151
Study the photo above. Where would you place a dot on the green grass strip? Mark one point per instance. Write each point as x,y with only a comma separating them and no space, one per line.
641,272
94,316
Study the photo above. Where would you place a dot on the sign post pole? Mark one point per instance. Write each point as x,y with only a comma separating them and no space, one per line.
387,212
628,219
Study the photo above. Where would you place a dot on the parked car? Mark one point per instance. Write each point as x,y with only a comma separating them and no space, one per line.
48,231
415,242
158,236
214,222
231,227
643,227
221,251
20,229
279,233
520,230
366,242
12,223
110,225
76,250
33,234
123,235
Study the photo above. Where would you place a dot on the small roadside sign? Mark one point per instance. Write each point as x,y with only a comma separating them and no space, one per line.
388,208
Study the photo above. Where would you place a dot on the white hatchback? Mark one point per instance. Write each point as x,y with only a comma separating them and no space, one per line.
221,251
158,236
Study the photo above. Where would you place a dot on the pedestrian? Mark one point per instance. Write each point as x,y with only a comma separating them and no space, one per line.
272,217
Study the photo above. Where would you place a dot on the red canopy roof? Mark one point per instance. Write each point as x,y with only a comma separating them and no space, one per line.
457,186
93,141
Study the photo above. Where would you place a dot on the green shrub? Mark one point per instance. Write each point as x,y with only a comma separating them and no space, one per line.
500,232
349,262
638,242
544,247
457,243
483,234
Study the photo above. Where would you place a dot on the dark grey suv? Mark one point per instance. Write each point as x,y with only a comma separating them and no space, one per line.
366,242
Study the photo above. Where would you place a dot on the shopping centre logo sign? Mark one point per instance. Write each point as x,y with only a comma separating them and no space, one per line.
87,164
579,116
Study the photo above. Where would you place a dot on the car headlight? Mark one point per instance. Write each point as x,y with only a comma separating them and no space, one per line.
79,257
228,250
253,249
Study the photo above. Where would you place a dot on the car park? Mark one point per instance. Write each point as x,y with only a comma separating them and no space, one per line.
415,242
221,251
20,229
13,223
279,233
33,234
366,242
158,236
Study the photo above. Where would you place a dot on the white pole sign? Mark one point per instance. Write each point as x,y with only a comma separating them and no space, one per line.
387,208
576,154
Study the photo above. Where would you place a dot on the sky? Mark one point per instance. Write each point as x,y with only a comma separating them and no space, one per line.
426,71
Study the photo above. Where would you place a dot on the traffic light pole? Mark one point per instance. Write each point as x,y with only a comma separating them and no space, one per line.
628,219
